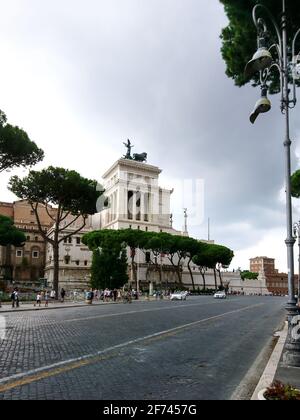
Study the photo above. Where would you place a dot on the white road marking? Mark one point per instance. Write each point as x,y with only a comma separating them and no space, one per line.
142,311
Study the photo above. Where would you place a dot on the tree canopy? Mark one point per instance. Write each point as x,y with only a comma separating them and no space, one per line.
248,275
109,266
240,36
60,187
295,184
212,255
16,148
9,234
176,248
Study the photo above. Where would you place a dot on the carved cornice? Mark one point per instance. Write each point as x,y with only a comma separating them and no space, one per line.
127,163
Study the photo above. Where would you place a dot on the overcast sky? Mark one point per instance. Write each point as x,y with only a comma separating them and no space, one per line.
82,77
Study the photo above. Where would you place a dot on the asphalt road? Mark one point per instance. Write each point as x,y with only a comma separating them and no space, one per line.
194,350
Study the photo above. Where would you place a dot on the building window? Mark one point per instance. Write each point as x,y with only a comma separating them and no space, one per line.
36,238
35,254
78,240
77,262
146,228
19,253
85,263
28,238
67,259
68,240
32,212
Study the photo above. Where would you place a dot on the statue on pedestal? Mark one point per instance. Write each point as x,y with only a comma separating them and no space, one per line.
138,157
129,146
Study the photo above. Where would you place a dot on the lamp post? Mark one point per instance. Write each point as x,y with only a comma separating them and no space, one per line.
138,276
297,235
264,62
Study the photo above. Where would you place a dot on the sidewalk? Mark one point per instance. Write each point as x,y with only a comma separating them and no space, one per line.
276,370
288,375
25,307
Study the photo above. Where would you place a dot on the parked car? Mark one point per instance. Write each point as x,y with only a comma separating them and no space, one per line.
178,296
220,295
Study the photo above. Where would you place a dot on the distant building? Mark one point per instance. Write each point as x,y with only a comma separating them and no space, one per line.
276,283
263,264
75,258
135,199
25,265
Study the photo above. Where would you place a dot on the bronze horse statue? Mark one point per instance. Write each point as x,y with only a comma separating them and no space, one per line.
140,157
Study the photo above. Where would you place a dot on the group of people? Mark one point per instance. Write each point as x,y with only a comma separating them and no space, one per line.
41,296
115,295
45,296
107,295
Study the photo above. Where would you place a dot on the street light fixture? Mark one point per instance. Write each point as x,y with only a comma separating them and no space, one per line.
287,66
262,105
261,60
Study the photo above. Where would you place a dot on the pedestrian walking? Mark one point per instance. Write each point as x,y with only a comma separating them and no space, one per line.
106,295
115,294
38,300
62,295
17,300
52,295
119,297
46,299
12,298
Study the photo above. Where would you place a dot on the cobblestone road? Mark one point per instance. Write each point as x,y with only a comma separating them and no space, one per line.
198,349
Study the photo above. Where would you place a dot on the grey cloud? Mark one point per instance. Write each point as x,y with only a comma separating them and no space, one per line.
153,70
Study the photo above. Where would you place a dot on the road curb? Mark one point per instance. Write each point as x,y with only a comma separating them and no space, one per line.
12,311
269,374
34,309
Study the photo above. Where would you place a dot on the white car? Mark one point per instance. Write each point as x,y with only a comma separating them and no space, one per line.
220,295
178,296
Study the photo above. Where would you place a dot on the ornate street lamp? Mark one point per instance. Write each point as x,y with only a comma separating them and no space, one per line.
267,58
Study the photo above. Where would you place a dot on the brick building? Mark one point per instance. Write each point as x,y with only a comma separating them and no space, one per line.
263,264
25,265
276,283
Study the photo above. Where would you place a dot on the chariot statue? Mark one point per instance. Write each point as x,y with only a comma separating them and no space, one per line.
138,157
